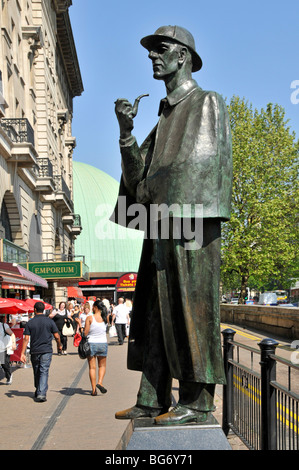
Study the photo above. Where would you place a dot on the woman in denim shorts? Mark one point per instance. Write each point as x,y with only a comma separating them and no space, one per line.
95,330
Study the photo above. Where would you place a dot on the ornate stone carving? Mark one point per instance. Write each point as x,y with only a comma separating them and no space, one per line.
33,34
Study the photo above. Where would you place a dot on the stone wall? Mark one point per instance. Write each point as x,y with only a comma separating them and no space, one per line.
278,321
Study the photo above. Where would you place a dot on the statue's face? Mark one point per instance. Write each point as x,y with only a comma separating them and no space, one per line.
165,58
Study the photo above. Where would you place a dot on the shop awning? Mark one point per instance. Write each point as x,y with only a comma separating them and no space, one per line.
14,283
75,292
98,282
13,276
38,281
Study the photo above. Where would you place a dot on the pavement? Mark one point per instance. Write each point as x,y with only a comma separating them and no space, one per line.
72,419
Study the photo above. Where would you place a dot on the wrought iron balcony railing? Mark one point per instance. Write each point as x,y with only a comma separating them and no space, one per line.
45,168
19,130
77,220
62,187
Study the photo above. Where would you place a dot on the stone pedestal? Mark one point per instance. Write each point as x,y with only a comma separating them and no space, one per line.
143,434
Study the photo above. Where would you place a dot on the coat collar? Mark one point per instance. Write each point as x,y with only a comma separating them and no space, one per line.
178,94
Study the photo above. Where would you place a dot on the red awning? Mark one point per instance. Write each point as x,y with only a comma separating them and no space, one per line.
12,306
9,285
98,282
75,292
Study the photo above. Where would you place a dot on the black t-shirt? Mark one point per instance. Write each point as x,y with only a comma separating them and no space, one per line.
41,330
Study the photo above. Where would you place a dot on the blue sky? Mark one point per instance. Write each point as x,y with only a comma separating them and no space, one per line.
248,48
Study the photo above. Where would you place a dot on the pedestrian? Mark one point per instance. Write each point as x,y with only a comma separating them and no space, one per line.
106,303
95,330
40,330
5,334
75,317
83,315
110,313
121,319
60,317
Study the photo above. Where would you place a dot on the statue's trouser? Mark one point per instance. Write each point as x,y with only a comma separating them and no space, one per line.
180,321
156,382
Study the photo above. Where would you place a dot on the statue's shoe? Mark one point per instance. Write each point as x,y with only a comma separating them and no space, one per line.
181,414
137,412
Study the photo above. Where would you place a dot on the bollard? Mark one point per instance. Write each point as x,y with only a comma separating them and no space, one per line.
228,395
268,395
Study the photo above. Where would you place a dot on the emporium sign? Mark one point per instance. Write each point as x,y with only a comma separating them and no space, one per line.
59,270
126,283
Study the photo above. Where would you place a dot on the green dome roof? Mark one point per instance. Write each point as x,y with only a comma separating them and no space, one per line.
107,247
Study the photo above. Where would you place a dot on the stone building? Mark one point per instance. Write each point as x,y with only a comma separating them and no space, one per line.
39,78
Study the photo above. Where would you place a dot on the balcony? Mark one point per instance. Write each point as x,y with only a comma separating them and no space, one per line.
77,226
18,130
63,195
68,219
21,135
12,253
45,182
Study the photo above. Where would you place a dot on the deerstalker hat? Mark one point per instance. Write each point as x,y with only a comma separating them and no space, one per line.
177,34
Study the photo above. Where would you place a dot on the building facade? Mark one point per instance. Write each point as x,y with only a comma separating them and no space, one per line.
39,78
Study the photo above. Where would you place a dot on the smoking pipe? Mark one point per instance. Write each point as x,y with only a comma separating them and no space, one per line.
136,104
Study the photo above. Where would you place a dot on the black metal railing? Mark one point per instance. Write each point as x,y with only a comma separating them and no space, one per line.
61,186
45,168
287,425
19,130
77,220
261,411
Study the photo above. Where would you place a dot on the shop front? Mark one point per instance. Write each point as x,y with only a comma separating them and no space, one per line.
110,287
19,283
63,278
16,285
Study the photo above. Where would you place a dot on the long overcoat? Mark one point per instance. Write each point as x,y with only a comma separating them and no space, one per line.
185,162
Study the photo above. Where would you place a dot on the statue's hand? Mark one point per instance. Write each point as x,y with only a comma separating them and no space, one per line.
124,113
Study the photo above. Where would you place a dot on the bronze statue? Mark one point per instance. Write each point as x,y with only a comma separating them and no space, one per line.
186,161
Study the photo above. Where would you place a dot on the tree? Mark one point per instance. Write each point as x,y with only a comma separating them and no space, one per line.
260,243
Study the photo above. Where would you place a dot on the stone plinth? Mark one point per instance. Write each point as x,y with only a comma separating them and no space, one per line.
143,434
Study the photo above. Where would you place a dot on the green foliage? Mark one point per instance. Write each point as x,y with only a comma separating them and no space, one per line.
260,243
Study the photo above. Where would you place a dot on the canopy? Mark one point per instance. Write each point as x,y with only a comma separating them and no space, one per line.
31,302
14,276
75,292
12,306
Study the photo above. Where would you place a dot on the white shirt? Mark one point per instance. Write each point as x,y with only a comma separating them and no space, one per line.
121,313
97,332
82,317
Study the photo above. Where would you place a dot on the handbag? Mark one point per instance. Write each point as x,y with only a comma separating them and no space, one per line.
77,339
11,345
84,348
112,331
67,329
9,342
